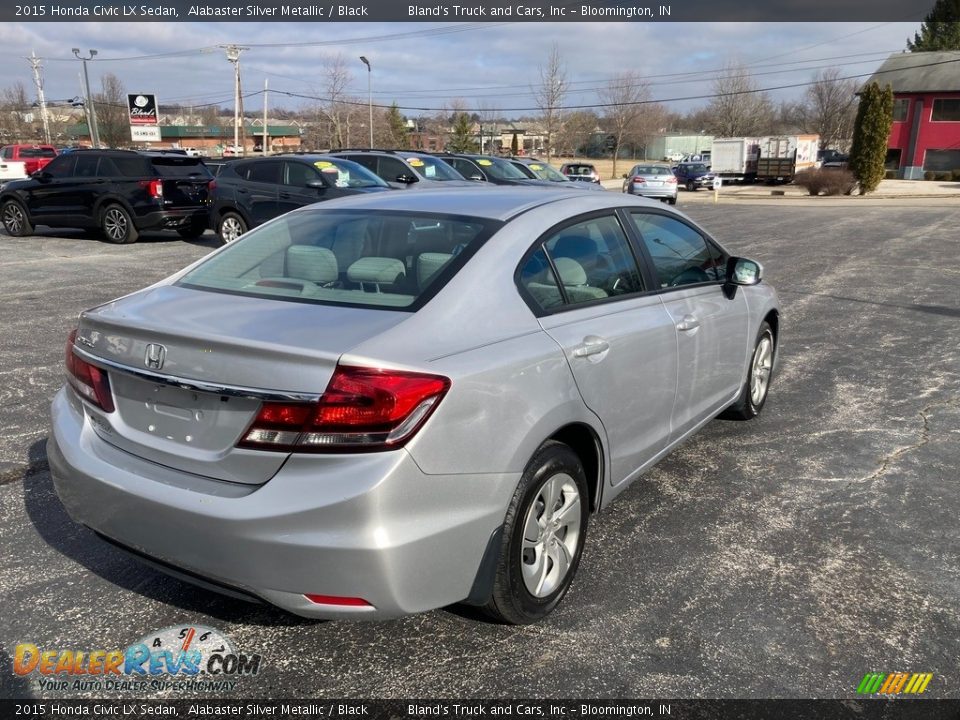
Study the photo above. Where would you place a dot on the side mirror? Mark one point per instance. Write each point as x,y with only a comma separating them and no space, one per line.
743,271
41,175
624,176
478,178
406,179
318,185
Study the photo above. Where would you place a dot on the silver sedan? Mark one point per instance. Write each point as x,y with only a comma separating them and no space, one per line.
653,181
391,403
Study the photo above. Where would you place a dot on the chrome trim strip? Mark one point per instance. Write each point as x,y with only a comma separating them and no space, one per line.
198,385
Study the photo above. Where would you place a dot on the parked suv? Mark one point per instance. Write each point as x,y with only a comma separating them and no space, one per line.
583,172
250,192
34,157
694,175
120,192
406,169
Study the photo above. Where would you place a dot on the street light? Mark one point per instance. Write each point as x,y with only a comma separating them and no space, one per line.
233,56
369,94
90,108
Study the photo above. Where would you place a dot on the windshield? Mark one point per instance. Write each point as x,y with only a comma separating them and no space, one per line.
499,168
433,168
346,173
179,166
37,153
547,172
696,168
360,258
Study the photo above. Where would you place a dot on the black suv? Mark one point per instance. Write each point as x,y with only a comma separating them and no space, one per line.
406,168
250,192
120,192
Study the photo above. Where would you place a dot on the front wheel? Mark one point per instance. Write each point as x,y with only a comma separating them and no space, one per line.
117,225
544,532
230,227
691,186
15,220
755,389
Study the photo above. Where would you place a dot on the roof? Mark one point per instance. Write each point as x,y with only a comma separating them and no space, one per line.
496,203
920,72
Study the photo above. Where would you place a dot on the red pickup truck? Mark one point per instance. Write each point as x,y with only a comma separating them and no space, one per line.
34,157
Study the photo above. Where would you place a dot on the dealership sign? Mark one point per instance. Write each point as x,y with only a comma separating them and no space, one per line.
144,118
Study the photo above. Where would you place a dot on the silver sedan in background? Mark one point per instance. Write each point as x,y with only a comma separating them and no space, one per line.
390,403
652,181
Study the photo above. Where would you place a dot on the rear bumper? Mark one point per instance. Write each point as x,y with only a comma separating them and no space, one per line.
173,219
652,192
370,526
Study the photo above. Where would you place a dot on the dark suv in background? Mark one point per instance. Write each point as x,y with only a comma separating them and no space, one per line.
250,192
406,169
119,192
491,169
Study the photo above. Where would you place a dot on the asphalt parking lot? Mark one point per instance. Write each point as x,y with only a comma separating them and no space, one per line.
783,557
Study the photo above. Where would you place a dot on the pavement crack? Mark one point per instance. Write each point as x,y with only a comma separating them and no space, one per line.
888,460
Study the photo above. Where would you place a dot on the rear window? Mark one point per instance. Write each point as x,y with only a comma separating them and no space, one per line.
389,260
580,169
179,166
38,153
500,169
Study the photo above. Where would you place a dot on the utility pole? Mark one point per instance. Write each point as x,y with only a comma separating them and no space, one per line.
38,81
266,87
88,99
369,94
233,56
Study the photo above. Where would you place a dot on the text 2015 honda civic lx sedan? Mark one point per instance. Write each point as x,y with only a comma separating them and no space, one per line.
392,403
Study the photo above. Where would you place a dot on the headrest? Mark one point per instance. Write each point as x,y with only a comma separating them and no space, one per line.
376,270
308,262
429,264
571,272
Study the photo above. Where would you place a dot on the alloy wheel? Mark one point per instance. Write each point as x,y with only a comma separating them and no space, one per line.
551,531
230,229
13,218
760,371
115,224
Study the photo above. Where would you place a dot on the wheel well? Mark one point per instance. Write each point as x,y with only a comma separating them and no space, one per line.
773,318
584,442
106,202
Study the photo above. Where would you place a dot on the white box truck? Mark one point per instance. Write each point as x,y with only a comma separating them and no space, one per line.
734,159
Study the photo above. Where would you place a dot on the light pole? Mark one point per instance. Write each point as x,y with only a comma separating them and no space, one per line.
369,94
92,110
233,56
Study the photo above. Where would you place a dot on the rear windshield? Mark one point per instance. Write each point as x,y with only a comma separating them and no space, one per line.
580,169
433,168
376,259
37,152
653,170
179,166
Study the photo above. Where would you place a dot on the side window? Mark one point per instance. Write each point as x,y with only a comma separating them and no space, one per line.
681,255
107,168
466,168
7,153
62,166
368,161
86,166
592,259
265,172
391,169
299,174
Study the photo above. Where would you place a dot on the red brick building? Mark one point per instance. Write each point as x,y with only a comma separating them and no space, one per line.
926,114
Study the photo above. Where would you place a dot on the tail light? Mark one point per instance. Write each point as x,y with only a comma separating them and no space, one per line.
672,179
154,188
90,382
362,409
211,186
337,600
638,179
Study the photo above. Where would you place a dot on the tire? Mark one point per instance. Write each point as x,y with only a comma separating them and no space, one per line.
753,396
672,201
691,186
15,219
230,227
117,225
530,580
192,231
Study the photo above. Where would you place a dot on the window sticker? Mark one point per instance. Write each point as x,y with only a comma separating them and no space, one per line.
484,162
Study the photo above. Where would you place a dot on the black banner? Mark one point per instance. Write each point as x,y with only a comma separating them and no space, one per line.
873,709
469,11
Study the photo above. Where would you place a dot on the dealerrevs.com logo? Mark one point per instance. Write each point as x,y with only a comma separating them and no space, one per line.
193,658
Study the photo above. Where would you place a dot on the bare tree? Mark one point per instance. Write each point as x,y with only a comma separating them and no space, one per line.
113,119
334,112
738,106
629,115
549,95
14,108
578,127
830,108
489,116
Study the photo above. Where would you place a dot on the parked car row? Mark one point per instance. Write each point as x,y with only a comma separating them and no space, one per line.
121,193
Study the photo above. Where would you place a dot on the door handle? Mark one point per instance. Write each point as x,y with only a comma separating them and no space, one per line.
284,195
591,345
689,322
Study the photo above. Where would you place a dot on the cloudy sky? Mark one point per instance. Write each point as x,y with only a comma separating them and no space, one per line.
423,66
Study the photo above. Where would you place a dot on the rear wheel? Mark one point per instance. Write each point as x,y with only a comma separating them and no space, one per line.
193,230
543,537
672,201
230,227
117,225
755,389
15,220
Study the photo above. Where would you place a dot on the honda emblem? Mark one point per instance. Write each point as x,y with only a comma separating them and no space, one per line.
154,356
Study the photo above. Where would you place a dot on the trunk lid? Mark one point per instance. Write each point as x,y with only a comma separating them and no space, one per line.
229,352
186,180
